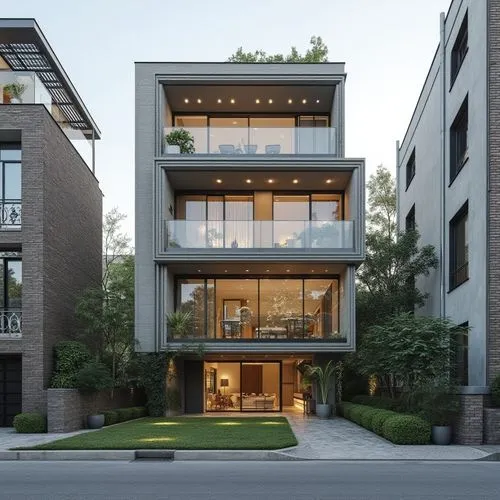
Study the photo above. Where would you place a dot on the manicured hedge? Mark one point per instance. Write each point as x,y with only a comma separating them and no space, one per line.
123,414
407,429
30,423
378,402
396,427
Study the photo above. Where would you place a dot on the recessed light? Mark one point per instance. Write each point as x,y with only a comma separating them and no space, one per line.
304,101
186,101
248,181
247,270
199,270
295,181
317,101
235,123
270,101
288,270
326,270
267,270
270,181
219,101
198,101
312,270
329,181
225,270
290,101
232,101
218,181
257,101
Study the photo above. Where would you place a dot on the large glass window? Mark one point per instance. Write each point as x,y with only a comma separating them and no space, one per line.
459,247
262,308
10,184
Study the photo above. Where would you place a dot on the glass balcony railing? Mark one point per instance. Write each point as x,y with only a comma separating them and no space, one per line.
259,234
25,87
253,141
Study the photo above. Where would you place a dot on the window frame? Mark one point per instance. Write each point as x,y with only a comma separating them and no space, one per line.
459,126
458,52
454,269
411,168
410,216
461,354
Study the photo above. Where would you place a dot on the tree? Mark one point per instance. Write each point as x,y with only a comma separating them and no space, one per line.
386,280
106,313
317,53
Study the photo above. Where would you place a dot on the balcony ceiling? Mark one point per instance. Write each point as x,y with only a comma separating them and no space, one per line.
245,97
24,48
237,180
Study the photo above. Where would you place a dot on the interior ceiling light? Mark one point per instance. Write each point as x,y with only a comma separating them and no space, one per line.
219,101
312,270
235,123
317,101
225,270
257,101
326,270
199,270
267,270
295,181
329,181
270,101
232,101
218,181
198,101
247,270
270,181
186,101
288,270
290,101
304,101
248,181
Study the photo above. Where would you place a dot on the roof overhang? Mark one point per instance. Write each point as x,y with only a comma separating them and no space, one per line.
24,48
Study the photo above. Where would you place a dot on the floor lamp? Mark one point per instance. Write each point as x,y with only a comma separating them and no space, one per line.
224,382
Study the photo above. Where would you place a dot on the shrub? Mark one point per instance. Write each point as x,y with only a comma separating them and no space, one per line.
30,423
356,413
93,377
407,429
368,416
139,411
343,408
379,420
110,417
379,402
495,391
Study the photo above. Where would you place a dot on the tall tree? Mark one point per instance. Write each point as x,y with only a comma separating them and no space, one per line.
106,313
317,53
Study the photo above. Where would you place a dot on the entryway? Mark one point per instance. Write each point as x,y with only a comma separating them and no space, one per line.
10,388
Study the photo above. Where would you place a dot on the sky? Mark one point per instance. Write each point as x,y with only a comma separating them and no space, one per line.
387,46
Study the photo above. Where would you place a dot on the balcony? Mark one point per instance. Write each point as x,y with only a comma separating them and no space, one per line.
245,234
10,324
251,141
10,214
24,87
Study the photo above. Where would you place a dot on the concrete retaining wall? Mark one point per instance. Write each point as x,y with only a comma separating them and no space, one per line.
67,409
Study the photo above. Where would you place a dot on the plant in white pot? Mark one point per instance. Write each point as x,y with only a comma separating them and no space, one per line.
180,141
439,403
91,379
324,378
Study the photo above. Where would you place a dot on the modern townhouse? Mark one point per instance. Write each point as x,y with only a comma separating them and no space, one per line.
255,232
50,213
449,188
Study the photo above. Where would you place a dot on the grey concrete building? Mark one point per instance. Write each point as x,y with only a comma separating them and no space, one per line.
250,221
449,187
50,213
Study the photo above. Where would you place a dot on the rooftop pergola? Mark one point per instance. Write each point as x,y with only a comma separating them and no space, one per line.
24,48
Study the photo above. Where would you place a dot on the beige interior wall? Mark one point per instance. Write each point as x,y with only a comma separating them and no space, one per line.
230,371
271,378
263,205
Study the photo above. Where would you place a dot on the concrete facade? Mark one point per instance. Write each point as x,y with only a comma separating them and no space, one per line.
437,195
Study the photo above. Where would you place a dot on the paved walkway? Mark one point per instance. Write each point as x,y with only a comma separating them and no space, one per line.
9,438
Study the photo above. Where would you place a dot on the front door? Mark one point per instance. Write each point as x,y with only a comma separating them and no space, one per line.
10,388
193,389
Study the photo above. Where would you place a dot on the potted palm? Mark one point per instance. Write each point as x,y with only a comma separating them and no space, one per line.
15,92
180,141
323,376
179,323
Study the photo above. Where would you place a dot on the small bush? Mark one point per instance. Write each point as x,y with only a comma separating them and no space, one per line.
379,419
93,377
407,429
110,417
31,423
495,392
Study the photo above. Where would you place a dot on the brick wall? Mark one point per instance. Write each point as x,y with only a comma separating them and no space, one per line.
492,426
67,409
60,240
469,427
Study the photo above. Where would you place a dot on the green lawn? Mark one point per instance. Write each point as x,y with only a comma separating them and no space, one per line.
185,433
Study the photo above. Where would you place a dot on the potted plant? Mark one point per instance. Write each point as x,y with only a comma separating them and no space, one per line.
439,404
15,92
91,379
180,323
180,141
324,381
173,401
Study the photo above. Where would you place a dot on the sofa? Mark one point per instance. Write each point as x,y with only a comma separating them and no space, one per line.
258,401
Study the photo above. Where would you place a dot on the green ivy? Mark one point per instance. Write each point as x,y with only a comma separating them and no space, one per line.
70,357
152,377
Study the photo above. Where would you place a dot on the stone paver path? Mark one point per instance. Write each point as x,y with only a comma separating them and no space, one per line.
337,438
9,438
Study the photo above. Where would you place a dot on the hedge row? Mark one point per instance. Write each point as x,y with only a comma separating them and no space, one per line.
395,427
123,414
382,403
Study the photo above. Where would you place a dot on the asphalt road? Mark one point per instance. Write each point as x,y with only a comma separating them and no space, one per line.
250,480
